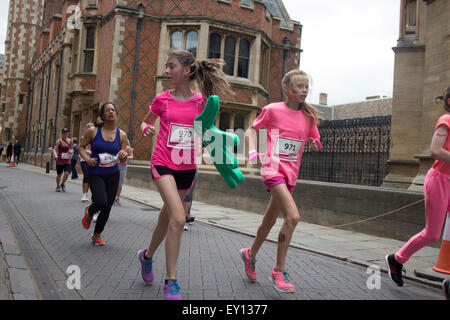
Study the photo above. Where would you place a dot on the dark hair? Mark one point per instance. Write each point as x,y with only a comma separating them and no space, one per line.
101,111
208,73
444,97
64,130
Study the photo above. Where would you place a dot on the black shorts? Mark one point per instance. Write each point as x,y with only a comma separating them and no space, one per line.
183,178
63,167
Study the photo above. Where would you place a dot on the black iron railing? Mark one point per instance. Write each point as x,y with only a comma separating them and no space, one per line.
355,151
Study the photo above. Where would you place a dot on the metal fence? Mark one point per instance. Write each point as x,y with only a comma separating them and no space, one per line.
355,151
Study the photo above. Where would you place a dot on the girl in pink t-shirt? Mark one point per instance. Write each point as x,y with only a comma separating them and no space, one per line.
173,159
290,124
437,196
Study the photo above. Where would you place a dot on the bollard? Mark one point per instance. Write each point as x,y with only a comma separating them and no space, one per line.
47,167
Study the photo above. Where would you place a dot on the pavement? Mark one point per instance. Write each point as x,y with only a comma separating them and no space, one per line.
17,281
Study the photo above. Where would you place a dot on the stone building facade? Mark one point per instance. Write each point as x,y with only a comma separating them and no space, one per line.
82,53
421,72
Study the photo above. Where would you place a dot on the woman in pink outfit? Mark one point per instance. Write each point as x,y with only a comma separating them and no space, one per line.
173,162
290,124
437,196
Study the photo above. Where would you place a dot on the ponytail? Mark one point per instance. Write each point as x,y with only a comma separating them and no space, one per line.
208,73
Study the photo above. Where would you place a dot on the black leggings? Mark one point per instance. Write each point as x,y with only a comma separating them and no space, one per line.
104,190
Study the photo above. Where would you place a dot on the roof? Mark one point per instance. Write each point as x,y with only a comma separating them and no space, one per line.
274,9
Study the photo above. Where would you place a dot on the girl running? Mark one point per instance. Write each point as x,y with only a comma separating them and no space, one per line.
173,160
289,125
108,145
437,196
62,153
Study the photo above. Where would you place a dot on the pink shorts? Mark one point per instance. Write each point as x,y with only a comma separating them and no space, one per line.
272,182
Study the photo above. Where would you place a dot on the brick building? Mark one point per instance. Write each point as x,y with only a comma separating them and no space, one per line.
78,54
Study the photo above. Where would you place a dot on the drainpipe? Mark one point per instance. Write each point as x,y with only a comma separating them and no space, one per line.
44,135
135,70
286,43
57,99
29,113
39,118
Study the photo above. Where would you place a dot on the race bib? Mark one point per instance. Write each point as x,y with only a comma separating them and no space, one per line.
180,136
65,155
287,149
107,160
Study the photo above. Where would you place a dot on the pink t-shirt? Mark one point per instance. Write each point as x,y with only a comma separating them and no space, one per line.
287,132
439,165
175,141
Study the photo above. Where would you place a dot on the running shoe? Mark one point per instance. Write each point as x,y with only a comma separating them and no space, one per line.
86,221
172,290
186,227
117,202
250,269
395,269
97,240
63,187
446,287
280,280
146,267
58,189
84,198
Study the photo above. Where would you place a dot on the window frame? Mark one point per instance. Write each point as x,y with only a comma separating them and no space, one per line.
185,30
223,34
90,50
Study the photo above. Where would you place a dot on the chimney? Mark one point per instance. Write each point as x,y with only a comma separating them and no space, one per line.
323,97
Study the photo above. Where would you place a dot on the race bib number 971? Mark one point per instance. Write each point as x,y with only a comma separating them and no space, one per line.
287,149
181,136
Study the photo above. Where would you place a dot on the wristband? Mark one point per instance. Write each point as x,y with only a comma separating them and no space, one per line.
253,155
319,144
145,129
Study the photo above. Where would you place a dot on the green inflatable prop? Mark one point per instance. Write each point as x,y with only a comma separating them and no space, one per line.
216,142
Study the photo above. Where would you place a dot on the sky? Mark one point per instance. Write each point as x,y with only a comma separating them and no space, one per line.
347,46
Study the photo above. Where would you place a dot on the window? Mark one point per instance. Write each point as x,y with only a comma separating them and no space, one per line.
76,41
235,53
214,46
187,40
264,66
244,57
89,50
224,122
176,40
229,55
91,3
191,42
56,77
21,96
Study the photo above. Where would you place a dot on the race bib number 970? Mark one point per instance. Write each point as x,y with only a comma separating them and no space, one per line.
287,149
181,136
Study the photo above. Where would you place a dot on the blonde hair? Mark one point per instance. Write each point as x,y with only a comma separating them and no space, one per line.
210,78
307,109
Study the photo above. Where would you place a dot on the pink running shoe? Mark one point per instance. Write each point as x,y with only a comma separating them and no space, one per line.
172,290
250,269
281,282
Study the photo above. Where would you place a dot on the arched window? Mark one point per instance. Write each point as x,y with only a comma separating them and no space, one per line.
214,46
244,56
230,49
176,40
191,42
